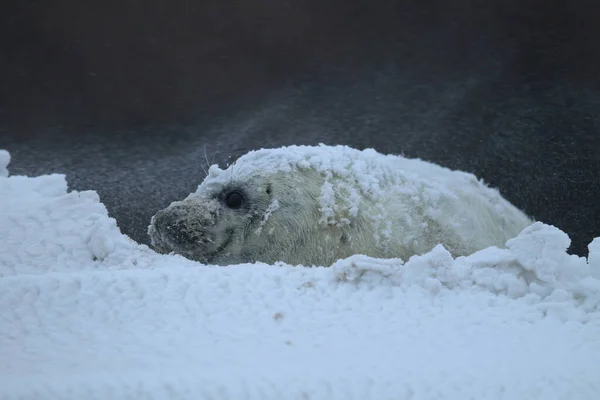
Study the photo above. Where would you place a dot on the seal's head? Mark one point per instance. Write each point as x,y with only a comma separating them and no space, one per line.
245,213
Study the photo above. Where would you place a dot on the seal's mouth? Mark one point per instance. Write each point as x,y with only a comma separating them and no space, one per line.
229,238
227,241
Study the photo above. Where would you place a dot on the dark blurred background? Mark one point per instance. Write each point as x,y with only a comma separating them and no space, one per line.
126,97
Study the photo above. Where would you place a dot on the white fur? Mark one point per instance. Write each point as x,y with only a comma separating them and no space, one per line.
330,202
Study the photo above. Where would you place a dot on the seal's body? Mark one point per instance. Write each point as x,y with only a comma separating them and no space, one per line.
314,205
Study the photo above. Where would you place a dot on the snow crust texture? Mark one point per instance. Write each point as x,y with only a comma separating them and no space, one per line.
85,312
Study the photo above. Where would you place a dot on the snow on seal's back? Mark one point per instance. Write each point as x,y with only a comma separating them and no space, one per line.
333,201
375,175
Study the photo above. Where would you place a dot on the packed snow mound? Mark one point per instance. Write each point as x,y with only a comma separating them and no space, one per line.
534,265
87,313
44,228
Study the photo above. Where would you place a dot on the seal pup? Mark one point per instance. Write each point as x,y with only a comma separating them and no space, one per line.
313,205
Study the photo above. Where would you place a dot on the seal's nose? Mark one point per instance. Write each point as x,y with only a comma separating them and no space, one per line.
173,226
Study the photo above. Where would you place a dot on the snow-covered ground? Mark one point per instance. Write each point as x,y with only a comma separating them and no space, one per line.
86,313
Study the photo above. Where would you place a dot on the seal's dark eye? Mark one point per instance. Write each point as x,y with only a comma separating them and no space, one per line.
234,200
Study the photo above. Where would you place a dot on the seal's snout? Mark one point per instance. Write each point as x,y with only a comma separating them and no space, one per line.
181,226
174,228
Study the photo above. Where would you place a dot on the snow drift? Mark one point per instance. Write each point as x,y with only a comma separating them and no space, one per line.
85,312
